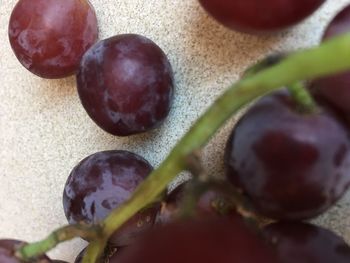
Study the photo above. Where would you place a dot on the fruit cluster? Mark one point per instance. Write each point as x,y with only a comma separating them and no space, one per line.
287,159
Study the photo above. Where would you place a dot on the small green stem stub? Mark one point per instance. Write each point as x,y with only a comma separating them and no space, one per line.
303,97
36,249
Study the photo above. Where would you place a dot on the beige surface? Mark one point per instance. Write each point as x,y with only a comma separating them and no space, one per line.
44,131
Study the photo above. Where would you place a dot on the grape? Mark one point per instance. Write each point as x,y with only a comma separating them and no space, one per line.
6,251
7,247
335,88
210,241
257,16
58,261
291,165
171,204
306,243
102,182
125,84
211,203
49,37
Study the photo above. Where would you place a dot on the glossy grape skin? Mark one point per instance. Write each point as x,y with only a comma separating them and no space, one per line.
49,37
209,241
100,183
211,203
125,84
291,165
7,247
256,16
335,89
306,243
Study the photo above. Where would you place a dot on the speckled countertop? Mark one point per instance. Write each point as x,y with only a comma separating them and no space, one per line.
44,130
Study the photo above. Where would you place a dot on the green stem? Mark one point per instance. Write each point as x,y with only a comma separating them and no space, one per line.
193,191
269,61
194,165
30,251
94,250
331,57
302,97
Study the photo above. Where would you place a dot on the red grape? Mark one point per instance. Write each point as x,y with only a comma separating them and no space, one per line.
125,84
7,251
210,203
335,88
208,241
7,248
257,16
291,165
49,37
102,182
306,243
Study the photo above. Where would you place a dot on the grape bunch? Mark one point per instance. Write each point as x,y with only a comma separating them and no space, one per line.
284,161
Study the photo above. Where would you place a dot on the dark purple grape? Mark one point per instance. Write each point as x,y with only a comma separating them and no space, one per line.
7,250
111,255
49,37
291,165
335,89
212,240
102,182
306,243
211,203
257,16
58,261
125,84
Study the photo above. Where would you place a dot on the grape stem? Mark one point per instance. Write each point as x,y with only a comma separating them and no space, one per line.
265,63
302,96
33,250
192,193
194,165
330,57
